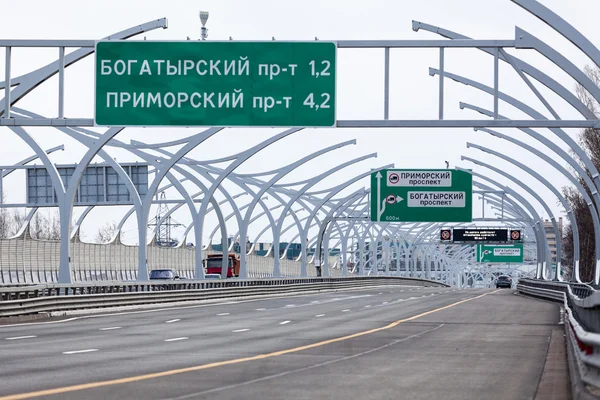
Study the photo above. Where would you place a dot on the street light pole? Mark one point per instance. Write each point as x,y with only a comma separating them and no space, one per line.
204,29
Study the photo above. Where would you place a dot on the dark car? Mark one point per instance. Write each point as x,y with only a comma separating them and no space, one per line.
164,274
503,281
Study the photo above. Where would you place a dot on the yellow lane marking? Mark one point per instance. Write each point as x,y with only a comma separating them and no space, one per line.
137,378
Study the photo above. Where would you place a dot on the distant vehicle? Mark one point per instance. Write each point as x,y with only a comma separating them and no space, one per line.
212,276
503,281
164,274
212,265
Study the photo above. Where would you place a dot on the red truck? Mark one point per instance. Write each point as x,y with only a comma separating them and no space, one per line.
212,265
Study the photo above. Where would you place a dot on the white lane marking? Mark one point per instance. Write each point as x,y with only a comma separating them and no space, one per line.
265,378
385,302
176,339
222,314
172,320
20,337
314,302
153,310
346,310
110,328
382,292
284,322
367,306
79,351
241,330
290,305
319,315
260,309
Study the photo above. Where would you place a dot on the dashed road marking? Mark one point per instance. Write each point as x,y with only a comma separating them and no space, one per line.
222,314
172,320
241,330
80,351
177,339
319,315
110,328
284,322
21,337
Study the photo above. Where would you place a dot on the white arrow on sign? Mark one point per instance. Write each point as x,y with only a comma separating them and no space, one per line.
379,210
399,199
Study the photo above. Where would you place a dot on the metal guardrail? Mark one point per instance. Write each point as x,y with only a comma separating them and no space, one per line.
582,320
76,297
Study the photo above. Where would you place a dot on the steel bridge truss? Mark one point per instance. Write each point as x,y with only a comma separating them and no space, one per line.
330,219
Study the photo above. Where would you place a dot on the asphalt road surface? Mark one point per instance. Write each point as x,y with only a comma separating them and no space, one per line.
390,342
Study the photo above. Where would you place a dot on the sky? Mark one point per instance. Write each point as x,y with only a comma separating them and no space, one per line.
413,93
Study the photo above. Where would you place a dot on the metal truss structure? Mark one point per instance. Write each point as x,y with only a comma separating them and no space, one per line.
326,219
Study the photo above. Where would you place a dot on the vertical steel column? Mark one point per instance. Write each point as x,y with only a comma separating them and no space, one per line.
483,205
441,94
1,192
386,89
7,84
61,82
496,79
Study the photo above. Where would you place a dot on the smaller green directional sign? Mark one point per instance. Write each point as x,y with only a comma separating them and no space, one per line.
421,196
510,253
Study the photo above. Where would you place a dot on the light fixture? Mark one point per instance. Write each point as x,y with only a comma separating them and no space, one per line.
203,17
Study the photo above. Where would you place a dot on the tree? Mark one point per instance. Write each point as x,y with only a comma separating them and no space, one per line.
46,228
106,232
10,222
589,140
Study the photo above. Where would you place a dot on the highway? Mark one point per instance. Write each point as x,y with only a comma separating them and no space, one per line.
385,342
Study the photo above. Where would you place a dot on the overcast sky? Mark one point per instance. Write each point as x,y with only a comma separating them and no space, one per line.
360,80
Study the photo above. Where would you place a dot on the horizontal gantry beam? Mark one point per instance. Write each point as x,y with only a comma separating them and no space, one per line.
458,123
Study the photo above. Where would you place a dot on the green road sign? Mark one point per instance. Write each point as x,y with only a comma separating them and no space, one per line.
197,83
510,253
421,196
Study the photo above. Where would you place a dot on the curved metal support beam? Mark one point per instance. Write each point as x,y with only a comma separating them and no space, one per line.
279,175
527,40
541,240
526,68
26,83
561,26
310,183
520,184
529,111
330,194
559,195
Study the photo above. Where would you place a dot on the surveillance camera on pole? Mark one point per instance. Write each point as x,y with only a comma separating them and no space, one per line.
204,29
